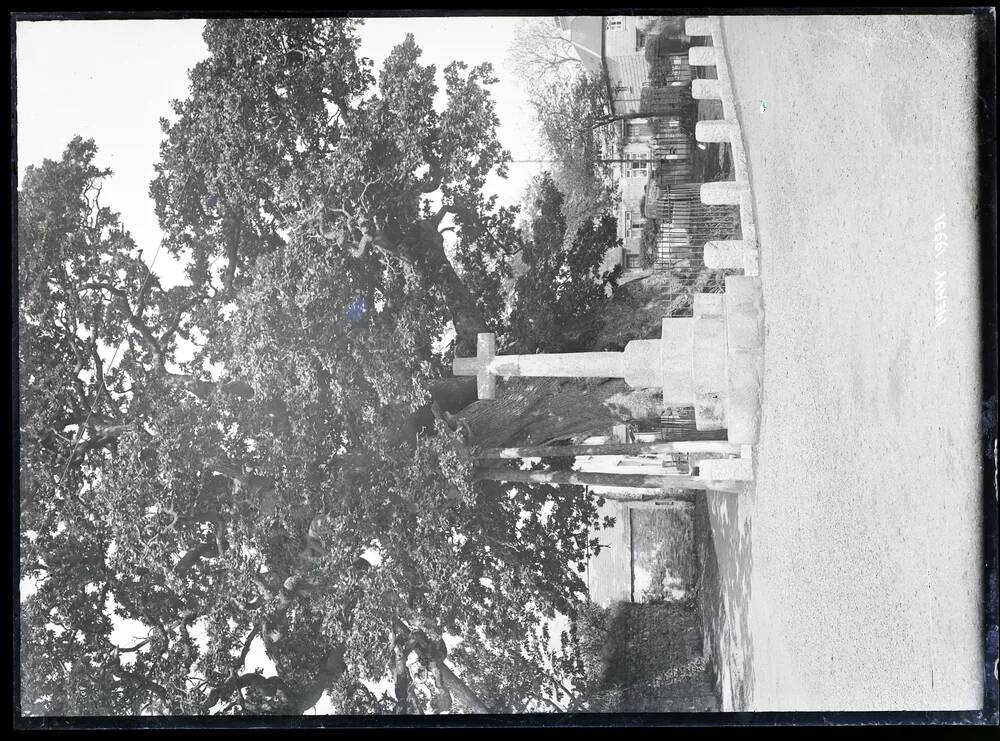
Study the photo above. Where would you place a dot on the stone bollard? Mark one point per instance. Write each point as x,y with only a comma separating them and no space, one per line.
702,89
701,56
698,27
730,254
716,130
723,193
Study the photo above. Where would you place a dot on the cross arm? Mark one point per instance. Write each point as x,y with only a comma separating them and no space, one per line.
480,366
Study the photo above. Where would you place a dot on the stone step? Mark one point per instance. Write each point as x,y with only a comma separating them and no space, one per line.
743,403
726,469
674,362
744,311
702,89
709,372
709,361
717,130
701,56
730,254
698,27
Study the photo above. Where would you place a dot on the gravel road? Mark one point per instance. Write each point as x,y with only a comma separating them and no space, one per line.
865,587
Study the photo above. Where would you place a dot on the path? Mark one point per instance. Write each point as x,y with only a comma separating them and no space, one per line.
865,584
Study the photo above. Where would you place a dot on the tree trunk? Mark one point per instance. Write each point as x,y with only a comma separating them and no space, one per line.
542,411
459,690
431,262
454,393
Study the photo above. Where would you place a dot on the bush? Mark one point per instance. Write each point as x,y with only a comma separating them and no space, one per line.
650,231
643,657
663,40
601,633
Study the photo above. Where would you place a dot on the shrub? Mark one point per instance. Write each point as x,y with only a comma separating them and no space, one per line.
643,657
650,231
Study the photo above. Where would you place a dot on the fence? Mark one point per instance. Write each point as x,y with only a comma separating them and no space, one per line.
678,424
670,99
672,149
677,223
683,225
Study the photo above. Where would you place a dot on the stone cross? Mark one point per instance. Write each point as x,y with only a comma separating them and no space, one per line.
712,361
663,363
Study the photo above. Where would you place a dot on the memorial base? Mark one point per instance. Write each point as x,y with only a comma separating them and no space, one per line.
715,360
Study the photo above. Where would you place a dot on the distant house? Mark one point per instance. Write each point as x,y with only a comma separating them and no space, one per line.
614,45
618,48
647,556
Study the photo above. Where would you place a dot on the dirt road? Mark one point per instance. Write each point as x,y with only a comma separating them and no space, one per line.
865,522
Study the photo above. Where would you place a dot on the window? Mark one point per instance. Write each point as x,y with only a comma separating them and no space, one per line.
632,261
640,40
637,165
613,22
633,223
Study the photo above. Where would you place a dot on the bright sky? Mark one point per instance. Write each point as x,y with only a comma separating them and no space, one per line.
113,80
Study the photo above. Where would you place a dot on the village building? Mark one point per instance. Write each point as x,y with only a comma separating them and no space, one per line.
642,73
648,554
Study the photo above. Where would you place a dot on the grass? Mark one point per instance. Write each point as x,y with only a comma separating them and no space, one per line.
708,591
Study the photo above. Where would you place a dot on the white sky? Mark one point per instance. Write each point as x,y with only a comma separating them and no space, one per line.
113,80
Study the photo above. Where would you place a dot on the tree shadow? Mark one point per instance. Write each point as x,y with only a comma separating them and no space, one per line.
723,544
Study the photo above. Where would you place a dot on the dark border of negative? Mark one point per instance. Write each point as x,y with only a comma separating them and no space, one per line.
986,125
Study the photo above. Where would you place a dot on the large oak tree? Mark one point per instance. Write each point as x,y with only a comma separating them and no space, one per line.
267,452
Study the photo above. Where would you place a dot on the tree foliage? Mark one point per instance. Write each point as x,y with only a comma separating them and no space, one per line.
248,458
559,300
572,112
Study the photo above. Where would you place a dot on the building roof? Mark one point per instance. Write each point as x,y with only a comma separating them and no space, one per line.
586,33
